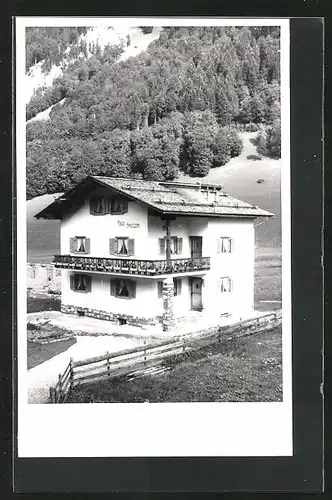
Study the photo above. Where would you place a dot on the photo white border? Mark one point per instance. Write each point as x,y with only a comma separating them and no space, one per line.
158,429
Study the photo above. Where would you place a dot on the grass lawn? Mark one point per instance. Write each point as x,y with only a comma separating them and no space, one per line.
244,369
43,303
38,353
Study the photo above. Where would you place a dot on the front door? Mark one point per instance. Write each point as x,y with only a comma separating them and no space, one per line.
195,246
196,294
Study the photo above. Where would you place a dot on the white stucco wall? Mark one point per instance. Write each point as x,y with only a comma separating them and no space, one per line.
238,265
146,304
100,228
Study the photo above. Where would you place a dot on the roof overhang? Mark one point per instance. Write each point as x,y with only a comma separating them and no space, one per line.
73,198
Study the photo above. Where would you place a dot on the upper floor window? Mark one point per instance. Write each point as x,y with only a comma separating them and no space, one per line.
122,245
123,288
98,205
225,245
176,245
118,205
80,283
226,284
80,244
101,205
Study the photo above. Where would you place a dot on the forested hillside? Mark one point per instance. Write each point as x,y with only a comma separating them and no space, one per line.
175,108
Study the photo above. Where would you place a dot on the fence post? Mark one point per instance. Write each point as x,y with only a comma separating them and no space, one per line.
108,364
52,394
71,371
144,352
60,387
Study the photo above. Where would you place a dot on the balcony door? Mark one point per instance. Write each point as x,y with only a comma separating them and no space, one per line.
196,294
195,246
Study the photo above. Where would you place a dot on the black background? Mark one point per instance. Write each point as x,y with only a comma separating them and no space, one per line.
303,472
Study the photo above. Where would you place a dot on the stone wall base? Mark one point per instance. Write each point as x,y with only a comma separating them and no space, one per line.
109,316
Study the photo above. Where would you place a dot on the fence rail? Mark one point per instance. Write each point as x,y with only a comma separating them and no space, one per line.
139,359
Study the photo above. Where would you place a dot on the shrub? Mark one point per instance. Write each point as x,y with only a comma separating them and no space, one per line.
221,150
269,141
251,127
146,29
234,142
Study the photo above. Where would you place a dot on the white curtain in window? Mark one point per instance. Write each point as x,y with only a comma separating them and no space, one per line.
80,244
123,246
123,289
225,285
225,245
80,283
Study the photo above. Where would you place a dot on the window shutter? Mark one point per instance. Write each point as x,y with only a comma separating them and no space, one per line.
179,246
91,205
72,281
131,246
72,245
124,206
113,287
88,280
162,246
87,245
108,205
132,288
231,245
113,246
179,286
160,289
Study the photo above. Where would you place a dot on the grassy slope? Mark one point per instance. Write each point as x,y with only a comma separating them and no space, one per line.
244,369
239,177
43,235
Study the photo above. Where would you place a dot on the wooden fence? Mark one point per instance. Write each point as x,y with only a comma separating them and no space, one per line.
138,360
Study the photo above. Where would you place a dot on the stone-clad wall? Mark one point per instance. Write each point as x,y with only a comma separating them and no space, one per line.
108,316
168,298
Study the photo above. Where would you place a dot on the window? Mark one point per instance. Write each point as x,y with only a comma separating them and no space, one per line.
123,288
98,205
176,245
225,245
177,286
122,245
160,289
226,285
80,244
101,205
80,283
117,205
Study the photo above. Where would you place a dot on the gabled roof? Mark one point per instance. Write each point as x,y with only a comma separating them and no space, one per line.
166,198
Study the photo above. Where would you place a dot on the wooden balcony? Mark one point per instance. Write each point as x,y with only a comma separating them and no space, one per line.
132,266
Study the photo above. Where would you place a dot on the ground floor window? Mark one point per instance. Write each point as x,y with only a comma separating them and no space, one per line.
160,289
80,283
177,286
123,288
226,284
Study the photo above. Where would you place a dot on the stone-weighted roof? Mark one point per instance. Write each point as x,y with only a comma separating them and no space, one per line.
173,198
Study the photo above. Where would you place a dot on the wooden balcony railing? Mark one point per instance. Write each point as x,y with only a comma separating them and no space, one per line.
132,266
